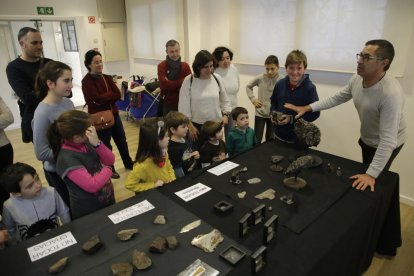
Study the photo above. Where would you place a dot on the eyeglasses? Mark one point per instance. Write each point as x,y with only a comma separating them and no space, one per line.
366,57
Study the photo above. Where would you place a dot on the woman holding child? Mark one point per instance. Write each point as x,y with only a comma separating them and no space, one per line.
203,96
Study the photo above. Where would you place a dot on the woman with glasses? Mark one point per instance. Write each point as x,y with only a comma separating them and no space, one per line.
203,96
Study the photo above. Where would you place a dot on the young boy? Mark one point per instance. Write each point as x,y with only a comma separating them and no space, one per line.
182,158
266,83
241,137
296,88
214,149
31,208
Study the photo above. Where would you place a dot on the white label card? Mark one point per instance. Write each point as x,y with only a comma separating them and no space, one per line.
132,211
53,245
193,192
223,168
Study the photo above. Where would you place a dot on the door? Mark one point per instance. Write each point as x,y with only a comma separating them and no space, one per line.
6,55
53,48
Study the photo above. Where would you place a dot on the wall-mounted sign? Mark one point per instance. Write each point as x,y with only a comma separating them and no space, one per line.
45,11
91,19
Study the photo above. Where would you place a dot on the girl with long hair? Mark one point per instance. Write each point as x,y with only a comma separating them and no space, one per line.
152,166
53,85
82,161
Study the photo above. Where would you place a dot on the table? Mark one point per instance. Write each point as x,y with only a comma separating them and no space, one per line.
15,260
332,230
341,237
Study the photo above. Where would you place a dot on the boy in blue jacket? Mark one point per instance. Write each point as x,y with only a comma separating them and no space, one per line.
297,89
241,137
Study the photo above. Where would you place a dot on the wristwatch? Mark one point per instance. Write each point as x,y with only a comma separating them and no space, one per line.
97,145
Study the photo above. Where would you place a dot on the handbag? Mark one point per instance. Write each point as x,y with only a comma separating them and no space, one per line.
152,86
103,119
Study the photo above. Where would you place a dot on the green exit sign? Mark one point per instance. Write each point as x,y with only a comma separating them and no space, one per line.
45,10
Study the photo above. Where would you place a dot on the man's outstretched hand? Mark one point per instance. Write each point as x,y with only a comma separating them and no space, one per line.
300,110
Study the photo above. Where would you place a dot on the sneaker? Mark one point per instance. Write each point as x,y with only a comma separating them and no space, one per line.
115,175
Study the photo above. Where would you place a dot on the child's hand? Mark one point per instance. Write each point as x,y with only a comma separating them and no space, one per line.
257,103
225,120
4,236
92,136
195,154
158,183
222,156
284,121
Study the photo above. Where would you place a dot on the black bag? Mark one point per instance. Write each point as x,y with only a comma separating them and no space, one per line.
151,86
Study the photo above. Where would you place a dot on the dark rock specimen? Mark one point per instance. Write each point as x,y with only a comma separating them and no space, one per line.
122,269
58,266
140,260
158,245
308,133
92,245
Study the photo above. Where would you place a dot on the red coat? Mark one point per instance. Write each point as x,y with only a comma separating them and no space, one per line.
170,89
99,96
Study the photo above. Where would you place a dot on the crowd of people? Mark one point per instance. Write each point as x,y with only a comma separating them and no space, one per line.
201,124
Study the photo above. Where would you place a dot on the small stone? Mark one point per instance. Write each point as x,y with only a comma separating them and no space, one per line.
172,242
92,245
269,194
208,242
58,266
160,219
158,245
254,180
140,260
277,158
127,234
241,194
276,168
122,269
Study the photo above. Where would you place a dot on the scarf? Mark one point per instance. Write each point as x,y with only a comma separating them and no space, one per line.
173,68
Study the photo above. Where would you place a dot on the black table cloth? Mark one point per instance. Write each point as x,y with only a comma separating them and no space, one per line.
332,229
15,260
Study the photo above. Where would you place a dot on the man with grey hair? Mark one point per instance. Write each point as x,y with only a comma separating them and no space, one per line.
171,73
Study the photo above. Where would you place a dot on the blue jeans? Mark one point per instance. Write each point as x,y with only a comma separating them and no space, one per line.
259,125
179,172
117,132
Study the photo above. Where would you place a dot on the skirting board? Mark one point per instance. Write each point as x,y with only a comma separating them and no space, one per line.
407,200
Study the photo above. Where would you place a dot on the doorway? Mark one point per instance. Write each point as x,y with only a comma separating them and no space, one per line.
55,46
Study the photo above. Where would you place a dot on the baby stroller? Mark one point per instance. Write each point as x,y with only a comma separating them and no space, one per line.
141,100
